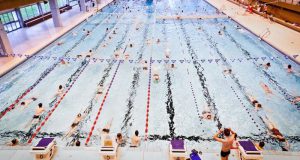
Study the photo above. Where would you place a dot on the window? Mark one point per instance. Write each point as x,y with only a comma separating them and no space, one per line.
45,7
73,2
10,21
30,12
62,3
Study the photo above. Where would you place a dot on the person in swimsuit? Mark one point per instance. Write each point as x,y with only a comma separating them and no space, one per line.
37,115
296,100
119,139
13,142
104,133
145,65
167,53
227,71
206,114
267,65
25,103
226,142
156,77
289,69
60,91
275,133
74,125
126,55
265,88
135,139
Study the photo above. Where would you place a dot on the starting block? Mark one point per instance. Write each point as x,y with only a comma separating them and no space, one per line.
248,151
177,150
44,150
109,150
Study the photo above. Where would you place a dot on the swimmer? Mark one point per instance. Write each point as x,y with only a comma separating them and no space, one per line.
114,32
25,103
106,29
275,133
37,115
63,62
255,103
74,34
167,53
145,65
60,91
89,54
156,77
130,45
267,65
206,114
173,66
227,71
126,56
119,139
117,54
88,33
220,33
289,69
13,142
226,142
158,40
100,90
74,126
265,88
59,43
104,133
135,139
296,100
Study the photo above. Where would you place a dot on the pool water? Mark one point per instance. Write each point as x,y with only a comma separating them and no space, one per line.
133,100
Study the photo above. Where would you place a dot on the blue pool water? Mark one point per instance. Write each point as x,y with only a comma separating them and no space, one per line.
176,102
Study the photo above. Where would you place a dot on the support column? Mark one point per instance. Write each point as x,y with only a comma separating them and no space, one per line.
5,47
55,13
82,5
20,18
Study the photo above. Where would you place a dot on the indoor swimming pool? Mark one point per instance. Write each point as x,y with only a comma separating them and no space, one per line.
192,57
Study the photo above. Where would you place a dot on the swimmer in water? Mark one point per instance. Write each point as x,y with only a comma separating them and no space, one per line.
275,133
227,71
37,115
63,62
25,103
296,100
117,54
265,88
59,43
60,91
158,40
145,65
267,65
74,126
206,114
156,77
126,55
100,90
167,53
289,69
13,142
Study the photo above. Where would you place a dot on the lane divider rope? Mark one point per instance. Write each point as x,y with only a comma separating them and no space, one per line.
148,101
102,104
55,106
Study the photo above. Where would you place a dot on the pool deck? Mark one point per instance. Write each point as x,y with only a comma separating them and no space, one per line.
28,41
91,153
282,38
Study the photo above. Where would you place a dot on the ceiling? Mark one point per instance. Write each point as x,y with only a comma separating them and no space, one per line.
10,4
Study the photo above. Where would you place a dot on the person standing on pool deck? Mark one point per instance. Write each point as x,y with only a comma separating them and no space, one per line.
226,142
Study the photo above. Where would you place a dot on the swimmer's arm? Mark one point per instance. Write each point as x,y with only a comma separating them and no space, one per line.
215,137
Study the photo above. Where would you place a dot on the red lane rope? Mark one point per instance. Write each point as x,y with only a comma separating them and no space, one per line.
55,106
102,104
148,101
